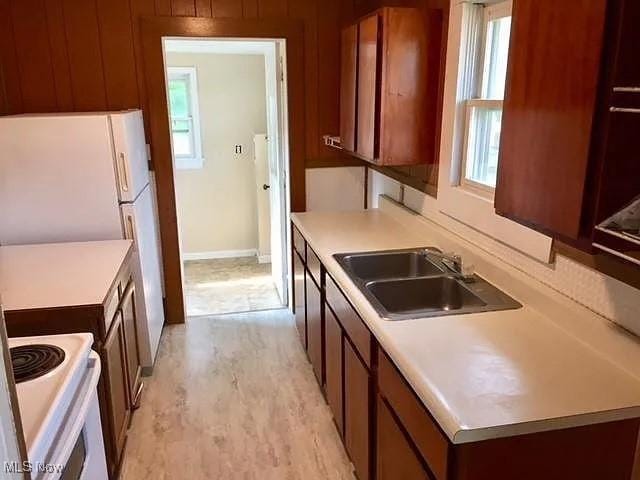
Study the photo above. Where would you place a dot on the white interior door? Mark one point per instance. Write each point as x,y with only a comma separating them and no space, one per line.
277,147
263,196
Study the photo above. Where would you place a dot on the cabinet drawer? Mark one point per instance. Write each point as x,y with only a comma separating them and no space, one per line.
299,244
353,325
425,434
313,265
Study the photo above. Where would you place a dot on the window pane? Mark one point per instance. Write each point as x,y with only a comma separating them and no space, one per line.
179,97
483,145
496,58
182,144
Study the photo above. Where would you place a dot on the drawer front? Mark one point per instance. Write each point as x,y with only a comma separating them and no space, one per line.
353,325
299,243
425,434
313,265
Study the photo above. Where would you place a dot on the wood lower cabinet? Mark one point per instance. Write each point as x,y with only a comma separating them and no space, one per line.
114,328
396,459
334,377
314,327
114,356
299,296
390,434
130,326
357,391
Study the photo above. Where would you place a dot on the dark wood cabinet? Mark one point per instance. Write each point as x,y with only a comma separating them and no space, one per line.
547,119
569,143
357,392
389,112
130,326
396,459
367,99
114,356
314,327
348,87
334,380
299,296
390,434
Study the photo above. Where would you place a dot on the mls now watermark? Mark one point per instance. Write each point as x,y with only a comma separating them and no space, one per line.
31,467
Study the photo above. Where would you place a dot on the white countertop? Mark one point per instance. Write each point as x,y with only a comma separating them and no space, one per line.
489,375
59,274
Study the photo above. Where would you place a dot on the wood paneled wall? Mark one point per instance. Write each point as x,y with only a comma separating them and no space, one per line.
84,55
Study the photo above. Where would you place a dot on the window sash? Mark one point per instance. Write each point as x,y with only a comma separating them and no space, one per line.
469,137
484,62
187,126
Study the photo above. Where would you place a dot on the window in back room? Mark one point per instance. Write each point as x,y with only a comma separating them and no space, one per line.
185,117
488,64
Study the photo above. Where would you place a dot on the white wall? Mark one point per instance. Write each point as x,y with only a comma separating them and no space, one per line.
217,205
335,189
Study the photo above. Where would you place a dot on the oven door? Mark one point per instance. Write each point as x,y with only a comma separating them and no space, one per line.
79,449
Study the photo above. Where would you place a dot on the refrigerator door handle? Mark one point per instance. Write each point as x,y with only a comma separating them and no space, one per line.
122,172
131,230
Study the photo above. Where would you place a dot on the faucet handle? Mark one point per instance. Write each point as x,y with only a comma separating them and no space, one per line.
467,270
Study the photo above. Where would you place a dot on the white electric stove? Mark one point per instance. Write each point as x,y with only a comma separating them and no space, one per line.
56,380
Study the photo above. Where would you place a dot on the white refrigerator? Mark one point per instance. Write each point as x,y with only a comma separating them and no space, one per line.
82,177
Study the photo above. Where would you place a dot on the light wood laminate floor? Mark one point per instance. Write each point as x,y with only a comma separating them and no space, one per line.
229,285
233,397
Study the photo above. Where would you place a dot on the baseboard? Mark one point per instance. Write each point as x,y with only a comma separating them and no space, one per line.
220,254
264,258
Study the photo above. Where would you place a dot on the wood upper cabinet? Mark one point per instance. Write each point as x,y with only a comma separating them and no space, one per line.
133,366
114,356
299,296
368,46
348,79
393,110
314,327
549,107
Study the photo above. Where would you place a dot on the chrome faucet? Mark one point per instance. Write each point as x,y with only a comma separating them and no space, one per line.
453,262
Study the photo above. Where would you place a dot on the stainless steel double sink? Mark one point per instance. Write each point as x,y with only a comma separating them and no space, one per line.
417,283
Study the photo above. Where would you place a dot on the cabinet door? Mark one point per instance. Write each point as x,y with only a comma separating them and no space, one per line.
314,327
333,366
349,59
547,119
368,45
396,459
409,83
134,368
114,359
627,69
299,298
357,383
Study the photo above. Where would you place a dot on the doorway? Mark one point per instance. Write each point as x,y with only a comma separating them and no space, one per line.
229,131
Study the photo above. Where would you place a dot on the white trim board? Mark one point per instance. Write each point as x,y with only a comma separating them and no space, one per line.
220,254
264,258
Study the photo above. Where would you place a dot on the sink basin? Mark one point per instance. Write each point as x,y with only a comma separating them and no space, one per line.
393,264
407,284
423,295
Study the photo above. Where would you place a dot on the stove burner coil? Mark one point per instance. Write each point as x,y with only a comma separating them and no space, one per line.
33,361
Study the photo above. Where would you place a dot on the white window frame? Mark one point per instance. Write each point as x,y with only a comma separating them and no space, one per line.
490,13
196,160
